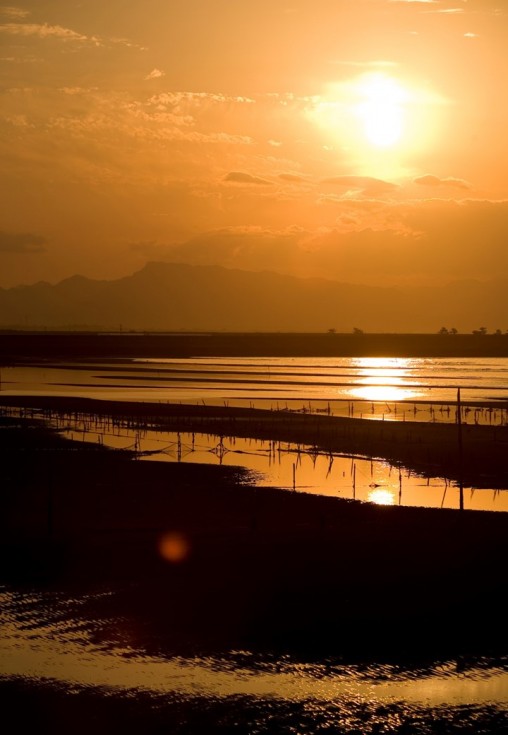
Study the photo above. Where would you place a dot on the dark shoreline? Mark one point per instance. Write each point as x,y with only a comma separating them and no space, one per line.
17,345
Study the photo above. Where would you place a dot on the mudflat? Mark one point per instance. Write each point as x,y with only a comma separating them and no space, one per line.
211,556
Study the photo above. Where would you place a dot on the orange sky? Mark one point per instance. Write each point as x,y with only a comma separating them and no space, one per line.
360,140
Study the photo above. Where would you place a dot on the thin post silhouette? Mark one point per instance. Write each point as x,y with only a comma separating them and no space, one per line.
461,451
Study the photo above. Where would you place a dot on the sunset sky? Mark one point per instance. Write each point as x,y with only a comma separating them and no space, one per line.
359,140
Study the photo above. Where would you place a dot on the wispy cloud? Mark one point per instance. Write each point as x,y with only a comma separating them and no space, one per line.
73,91
291,177
239,177
21,242
172,99
155,128
430,180
45,30
448,11
368,184
155,74
20,60
12,12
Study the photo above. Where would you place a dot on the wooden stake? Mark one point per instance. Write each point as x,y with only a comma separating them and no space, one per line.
461,451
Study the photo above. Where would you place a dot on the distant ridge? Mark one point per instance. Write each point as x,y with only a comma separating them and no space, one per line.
172,297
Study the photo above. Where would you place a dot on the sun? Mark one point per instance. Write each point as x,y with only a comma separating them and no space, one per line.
370,111
381,109
378,121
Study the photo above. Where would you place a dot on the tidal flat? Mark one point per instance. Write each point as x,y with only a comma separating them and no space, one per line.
177,597
155,597
266,565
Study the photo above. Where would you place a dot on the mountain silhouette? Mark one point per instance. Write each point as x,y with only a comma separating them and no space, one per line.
170,296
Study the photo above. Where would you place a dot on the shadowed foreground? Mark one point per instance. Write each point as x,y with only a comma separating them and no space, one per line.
182,562
252,566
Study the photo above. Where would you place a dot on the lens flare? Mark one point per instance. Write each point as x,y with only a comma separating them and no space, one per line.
174,547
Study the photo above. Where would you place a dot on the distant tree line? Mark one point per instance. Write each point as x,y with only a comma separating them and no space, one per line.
480,330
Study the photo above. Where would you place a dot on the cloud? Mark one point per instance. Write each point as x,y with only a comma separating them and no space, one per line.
368,184
11,12
250,248
430,180
21,242
430,241
291,177
72,91
450,11
18,60
155,74
239,177
195,99
45,30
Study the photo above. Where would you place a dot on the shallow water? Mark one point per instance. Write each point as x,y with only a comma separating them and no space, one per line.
400,389
296,467
55,640
423,389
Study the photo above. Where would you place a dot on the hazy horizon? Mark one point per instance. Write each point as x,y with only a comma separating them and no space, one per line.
175,296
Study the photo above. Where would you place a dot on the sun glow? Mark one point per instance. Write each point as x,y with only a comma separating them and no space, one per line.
381,109
378,120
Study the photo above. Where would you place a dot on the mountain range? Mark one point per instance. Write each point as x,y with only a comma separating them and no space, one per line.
173,297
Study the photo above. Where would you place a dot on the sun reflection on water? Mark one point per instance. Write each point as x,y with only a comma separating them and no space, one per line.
381,497
384,379
383,393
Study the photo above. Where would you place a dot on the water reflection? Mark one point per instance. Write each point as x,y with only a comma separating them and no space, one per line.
384,379
262,382
381,497
51,639
296,467
384,393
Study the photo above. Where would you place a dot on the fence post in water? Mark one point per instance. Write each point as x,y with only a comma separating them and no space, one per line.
294,476
49,516
461,452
